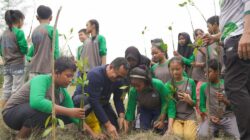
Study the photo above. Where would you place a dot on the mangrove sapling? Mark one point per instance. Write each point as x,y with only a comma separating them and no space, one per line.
82,80
144,42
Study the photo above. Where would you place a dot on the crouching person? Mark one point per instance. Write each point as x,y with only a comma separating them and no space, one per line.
31,105
103,81
221,115
151,96
181,111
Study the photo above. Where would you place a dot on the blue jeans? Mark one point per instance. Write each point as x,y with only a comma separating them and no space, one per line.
147,117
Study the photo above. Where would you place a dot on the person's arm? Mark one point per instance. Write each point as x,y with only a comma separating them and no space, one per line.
102,48
94,89
171,104
21,41
68,103
203,98
131,106
188,61
117,98
50,30
30,53
244,43
193,86
38,89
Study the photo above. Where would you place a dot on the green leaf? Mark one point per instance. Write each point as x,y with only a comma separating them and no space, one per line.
71,30
123,87
61,123
199,42
145,28
195,51
164,46
142,32
191,45
47,121
47,131
184,3
54,121
64,36
170,28
86,83
181,5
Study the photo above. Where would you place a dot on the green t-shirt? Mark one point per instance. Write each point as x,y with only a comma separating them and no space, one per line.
132,99
39,86
172,104
50,30
21,40
102,45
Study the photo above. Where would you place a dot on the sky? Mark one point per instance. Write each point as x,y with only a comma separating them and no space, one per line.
122,21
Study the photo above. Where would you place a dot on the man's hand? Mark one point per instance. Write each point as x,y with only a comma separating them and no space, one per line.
121,122
244,46
76,113
111,130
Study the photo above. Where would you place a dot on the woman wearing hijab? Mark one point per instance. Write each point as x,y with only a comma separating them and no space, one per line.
135,58
184,50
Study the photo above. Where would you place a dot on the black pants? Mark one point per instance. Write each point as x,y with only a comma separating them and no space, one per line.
87,107
237,85
23,115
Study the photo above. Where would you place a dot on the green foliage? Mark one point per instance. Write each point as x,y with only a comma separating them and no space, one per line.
144,30
47,132
55,122
164,46
170,28
83,81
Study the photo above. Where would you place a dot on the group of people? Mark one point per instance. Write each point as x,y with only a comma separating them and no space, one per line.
184,96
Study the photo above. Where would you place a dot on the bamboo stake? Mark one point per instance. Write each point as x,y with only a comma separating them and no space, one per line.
53,79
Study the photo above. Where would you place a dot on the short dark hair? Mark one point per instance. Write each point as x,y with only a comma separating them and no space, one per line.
44,12
120,61
83,30
63,63
215,65
176,59
213,20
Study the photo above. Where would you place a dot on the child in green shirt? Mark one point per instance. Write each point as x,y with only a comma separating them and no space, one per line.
30,107
151,97
221,114
13,47
40,53
181,112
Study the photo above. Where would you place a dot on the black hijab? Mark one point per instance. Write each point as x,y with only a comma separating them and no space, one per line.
185,50
133,52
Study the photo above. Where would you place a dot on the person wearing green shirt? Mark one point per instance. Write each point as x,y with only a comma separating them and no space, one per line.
221,114
83,35
40,53
181,112
13,47
159,55
150,95
95,49
30,107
